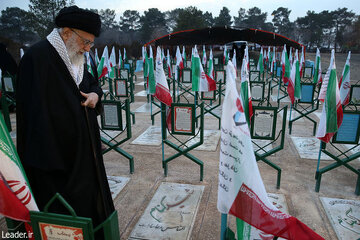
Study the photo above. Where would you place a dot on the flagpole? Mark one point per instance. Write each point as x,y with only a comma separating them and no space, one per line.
318,163
223,226
162,131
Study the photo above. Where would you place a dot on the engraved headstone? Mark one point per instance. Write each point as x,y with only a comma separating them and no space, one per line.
170,214
263,123
186,76
141,94
344,216
308,147
152,136
116,184
211,140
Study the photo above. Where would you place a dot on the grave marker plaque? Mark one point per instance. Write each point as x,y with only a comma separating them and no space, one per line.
182,118
348,132
216,61
121,89
186,76
254,76
8,84
220,76
188,64
263,123
307,93
111,117
124,73
355,94
307,72
257,90
208,95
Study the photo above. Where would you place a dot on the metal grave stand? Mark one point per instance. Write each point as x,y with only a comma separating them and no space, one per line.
220,76
125,74
212,101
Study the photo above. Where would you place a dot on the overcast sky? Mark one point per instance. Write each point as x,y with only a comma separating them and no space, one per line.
298,7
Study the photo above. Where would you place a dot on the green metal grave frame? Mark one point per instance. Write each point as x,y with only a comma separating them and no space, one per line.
258,76
182,149
38,219
354,101
210,107
263,156
8,92
114,144
174,107
305,73
117,94
105,126
305,108
342,159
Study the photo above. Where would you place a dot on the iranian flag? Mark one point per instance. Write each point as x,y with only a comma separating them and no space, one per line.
162,55
125,56
97,61
179,64
121,63
345,84
246,56
211,71
162,92
294,88
104,65
201,82
234,62
272,60
225,56
317,72
184,55
332,113
151,84
16,199
285,64
143,50
204,57
88,64
241,191
290,57
245,91
168,64
302,60
112,63
260,64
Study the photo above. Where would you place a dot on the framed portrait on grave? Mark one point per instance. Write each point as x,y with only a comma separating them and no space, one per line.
349,130
216,61
124,73
220,76
211,95
263,122
307,72
186,76
355,94
111,118
307,92
257,89
183,118
254,75
121,87
8,84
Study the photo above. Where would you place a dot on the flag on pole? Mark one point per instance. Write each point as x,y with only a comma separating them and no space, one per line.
201,82
143,50
97,61
88,64
294,88
125,56
273,60
285,64
204,57
241,191
211,71
260,64
104,65
246,56
184,55
234,62
302,60
16,199
290,57
112,63
345,84
146,65
245,91
162,92
162,55
151,84
317,72
332,113
179,64
226,56
121,63
168,63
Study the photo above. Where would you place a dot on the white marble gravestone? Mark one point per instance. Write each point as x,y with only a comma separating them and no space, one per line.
211,140
116,184
344,216
146,108
170,214
142,93
151,136
308,147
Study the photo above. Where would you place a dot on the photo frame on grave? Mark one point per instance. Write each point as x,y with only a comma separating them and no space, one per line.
216,61
307,93
308,72
355,94
188,64
121,87
8,84
183,119
257,89
111,118
349,130
220,75
254,76
211,95
127,66
124,73
186,76
263,122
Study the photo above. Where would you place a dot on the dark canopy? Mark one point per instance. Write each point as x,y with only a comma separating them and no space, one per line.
223,35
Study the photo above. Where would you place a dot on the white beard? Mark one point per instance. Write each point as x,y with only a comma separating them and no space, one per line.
73,49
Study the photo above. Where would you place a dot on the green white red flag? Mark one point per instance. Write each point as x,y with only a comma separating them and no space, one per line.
151,84
179,64
272,60
245,91
225,56
184,55
302,60
345,84
104,65
260,64
210,69
201,82
146,64
121,63
294,88
168,63
97,61
332,113
234,61
16,199
162,92
285,64
125,56
317,72
112,61
204,57
290,57
241,191
246,56
88,64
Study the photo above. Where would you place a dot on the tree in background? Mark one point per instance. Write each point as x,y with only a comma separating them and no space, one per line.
254,18
107,17
153,24
130,21
343,19
224,18
311,29
190,18
208,18
281,21
239,20
45,12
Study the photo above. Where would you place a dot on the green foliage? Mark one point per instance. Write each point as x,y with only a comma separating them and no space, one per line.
281,21
153,24
239,20
107,17
130,21
190,18
224,18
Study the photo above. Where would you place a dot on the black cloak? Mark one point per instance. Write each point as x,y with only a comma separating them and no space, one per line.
53,139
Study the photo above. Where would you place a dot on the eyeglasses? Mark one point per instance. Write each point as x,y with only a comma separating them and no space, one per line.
85,41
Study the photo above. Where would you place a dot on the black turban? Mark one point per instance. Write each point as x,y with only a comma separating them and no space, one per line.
75,17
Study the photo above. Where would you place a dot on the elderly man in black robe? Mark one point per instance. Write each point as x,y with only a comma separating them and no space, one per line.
58,138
